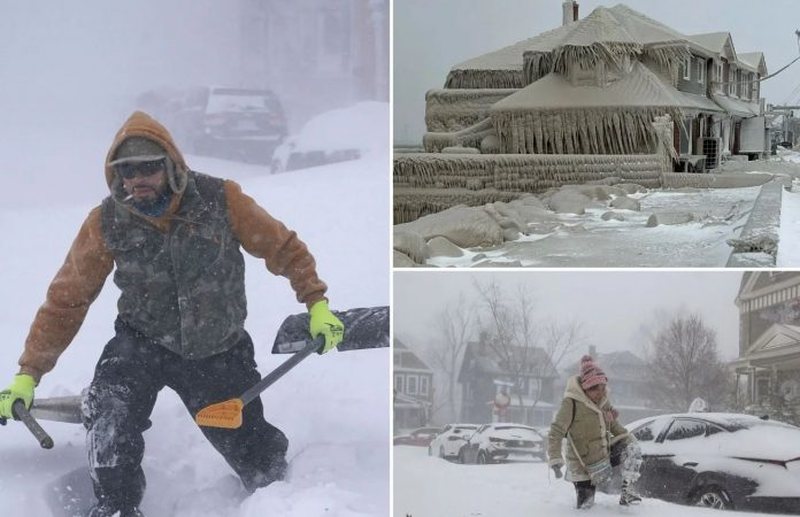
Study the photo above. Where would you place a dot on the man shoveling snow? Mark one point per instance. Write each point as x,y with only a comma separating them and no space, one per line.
174,236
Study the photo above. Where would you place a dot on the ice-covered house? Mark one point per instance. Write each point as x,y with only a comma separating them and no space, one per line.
586,101
413,388
768,367
594,86
505,383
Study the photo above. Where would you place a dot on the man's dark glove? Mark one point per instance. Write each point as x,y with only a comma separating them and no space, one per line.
557,471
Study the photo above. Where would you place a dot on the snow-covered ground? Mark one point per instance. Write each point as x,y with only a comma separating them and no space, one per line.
718,214
334,408
588,240
430,487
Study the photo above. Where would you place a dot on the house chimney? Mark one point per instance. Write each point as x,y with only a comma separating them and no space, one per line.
570,12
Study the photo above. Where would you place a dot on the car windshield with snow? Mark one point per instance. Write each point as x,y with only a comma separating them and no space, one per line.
497,442
721,460
453,436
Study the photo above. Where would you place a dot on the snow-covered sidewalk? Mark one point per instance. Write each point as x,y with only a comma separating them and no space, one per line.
430,487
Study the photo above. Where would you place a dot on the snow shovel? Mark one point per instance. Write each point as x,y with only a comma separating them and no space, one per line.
364,328
21,413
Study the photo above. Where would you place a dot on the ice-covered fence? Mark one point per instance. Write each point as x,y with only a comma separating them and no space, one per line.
425,183
451,110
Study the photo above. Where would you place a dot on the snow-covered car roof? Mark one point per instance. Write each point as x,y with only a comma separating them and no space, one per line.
722,419
359,126
748,436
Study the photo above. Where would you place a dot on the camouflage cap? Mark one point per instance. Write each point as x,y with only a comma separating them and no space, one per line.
137,149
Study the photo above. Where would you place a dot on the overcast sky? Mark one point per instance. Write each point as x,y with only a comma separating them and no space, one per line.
613,307
430,36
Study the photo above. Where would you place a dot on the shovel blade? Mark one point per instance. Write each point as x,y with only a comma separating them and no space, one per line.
226,415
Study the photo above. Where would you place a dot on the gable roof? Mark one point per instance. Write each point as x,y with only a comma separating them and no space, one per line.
618,26
639,88
482,358
758,283
405,359
718,43
754,61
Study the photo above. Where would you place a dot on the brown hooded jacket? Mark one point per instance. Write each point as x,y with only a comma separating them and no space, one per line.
89,261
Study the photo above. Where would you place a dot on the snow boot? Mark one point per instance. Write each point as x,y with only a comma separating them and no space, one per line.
584,491
628,496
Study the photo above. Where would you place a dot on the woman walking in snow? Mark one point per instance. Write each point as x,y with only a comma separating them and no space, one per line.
595,440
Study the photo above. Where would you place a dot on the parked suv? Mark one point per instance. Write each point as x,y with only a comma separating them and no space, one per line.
233,123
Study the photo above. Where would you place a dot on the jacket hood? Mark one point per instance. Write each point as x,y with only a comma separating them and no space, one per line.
574,391
143,125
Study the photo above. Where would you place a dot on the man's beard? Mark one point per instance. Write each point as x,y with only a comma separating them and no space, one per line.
154,207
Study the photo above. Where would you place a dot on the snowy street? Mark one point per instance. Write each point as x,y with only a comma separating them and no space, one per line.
430,487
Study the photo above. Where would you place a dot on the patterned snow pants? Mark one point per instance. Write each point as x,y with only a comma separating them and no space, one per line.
130,373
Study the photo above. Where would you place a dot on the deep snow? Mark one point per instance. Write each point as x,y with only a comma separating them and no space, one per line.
431,487
334,408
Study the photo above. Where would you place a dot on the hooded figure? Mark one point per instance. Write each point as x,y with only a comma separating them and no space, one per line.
174,237
593,440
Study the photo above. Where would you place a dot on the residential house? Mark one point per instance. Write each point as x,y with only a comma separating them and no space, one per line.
768,367
316,54
505,383
595,86
413,388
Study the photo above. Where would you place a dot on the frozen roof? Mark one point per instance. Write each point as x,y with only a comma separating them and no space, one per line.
754,61
510,57
713,41
639,88
737,107
618,24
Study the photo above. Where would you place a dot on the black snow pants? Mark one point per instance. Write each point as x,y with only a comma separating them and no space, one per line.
131,371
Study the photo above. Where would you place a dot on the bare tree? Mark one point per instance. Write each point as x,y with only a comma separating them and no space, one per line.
683,364
455,327
527,350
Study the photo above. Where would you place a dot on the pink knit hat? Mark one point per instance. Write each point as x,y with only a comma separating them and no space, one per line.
591,374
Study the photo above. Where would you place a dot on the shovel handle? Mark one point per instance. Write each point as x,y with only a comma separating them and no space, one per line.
280,371
21,412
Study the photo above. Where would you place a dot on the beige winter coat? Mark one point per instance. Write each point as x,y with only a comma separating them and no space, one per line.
590,429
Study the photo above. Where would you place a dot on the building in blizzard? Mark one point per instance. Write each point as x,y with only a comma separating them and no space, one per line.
316,55
413,388
768,367
505,383
615,94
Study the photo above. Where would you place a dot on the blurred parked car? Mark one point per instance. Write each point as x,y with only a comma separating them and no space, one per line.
234,123
453,436
503,441
336,136
421,437
720,460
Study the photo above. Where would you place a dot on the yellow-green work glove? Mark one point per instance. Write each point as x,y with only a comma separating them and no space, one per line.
20,389
323,322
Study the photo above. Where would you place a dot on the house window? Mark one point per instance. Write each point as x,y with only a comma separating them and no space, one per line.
398,383
687,67
720,78
423,385
412,384
701,70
